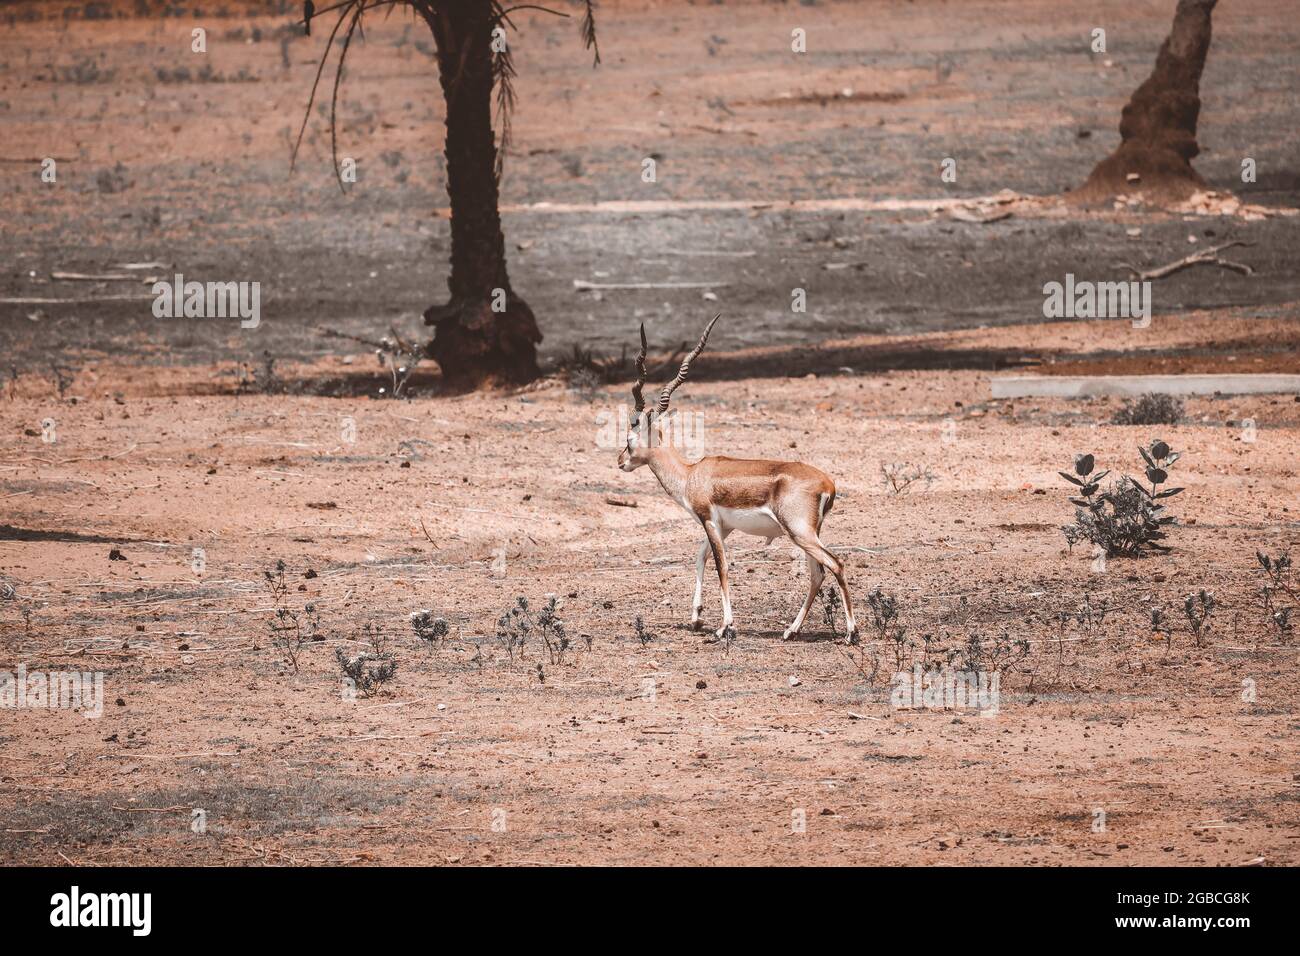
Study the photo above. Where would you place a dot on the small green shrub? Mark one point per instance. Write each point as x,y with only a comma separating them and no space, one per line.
290,629
428,628
1280,594
831,606
643,634
1153,408
1126,519
1197,608
900,476
1160,626
518,624
890,633
997,654
366,671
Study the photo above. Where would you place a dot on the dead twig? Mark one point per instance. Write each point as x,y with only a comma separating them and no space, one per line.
581,285
427,535
101,277
152,809
85,300
1208,257
978,215
373,343
135,756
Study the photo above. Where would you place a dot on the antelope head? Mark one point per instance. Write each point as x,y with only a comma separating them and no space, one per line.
647,422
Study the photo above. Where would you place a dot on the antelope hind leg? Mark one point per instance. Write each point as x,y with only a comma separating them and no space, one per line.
815,576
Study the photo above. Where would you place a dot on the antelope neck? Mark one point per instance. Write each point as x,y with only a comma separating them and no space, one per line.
671,469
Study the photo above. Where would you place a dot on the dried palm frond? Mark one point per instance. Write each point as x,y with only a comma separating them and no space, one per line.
334,96
503,77
589,31
503,69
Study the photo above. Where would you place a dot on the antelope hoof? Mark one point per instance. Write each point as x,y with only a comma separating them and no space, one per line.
725,633
696,623
854,636
789,633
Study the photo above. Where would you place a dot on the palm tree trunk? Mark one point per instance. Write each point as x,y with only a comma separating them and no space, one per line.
473,343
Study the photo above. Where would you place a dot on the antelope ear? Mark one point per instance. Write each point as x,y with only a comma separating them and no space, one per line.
664,425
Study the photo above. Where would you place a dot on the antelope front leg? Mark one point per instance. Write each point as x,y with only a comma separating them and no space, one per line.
697,605
720,560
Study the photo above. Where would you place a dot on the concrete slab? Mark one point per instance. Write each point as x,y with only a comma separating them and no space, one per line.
1089,386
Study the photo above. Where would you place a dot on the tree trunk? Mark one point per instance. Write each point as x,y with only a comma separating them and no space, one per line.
484,334
1158,126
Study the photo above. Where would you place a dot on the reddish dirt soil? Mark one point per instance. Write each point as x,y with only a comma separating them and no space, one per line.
514,492
164,443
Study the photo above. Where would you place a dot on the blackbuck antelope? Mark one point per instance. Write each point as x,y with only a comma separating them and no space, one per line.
763,498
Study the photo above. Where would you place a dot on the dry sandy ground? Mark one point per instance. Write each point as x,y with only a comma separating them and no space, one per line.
470,758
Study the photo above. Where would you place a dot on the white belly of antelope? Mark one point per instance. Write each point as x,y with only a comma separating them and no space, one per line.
755,521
